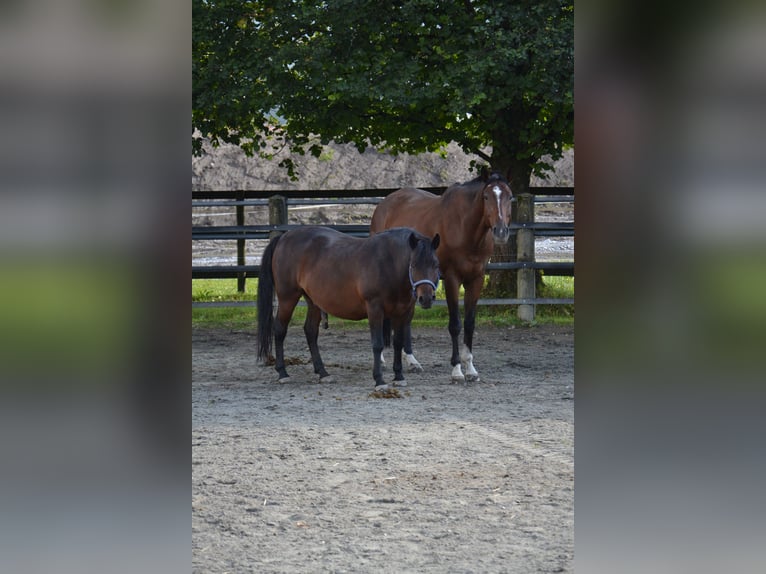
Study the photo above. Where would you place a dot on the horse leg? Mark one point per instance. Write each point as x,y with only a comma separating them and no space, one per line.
451,289
375,318
398,343
281,321
386,338
311,328
413,366
472,291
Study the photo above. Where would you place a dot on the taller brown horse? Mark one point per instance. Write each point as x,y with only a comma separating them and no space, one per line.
469,217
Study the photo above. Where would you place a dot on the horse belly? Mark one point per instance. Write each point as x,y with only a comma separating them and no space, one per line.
338,301
355,312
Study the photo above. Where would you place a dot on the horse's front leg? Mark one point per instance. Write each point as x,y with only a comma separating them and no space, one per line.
472,291
375,318
451,289
413,365
399,333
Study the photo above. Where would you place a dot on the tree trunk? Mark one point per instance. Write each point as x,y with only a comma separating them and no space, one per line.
502,283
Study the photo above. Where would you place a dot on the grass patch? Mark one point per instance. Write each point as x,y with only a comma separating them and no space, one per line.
222,290
498,315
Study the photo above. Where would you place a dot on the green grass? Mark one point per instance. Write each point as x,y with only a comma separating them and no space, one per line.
239,317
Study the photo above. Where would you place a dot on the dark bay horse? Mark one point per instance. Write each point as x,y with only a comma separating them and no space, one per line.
379,277
470,217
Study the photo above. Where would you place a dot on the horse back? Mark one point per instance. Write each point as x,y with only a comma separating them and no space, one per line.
311,251
408,207
338,272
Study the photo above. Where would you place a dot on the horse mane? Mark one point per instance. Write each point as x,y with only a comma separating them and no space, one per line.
422,251
459,189
485,177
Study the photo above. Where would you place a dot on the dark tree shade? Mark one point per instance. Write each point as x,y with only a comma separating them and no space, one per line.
407,76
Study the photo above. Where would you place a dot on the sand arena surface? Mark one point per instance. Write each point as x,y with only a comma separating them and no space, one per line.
303,476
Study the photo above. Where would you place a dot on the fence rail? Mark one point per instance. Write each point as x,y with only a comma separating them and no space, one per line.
243,194
280,200
233,232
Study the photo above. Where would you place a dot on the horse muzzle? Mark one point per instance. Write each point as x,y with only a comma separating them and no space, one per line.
501,233
424,292
425,300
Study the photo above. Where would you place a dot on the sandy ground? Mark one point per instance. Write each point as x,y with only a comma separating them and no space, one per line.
309,477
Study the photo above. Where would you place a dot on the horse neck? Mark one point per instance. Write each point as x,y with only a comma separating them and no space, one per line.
474,221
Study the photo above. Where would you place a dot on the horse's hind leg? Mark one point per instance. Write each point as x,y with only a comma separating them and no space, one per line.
311,328
281,321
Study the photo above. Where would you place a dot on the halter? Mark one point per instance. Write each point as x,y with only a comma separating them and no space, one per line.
422,282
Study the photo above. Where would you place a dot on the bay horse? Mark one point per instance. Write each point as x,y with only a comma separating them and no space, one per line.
379,277
470,217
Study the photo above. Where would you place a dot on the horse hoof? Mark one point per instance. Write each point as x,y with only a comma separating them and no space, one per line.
401,383
383,387
284,380
327,379
472,378
413,366
458,379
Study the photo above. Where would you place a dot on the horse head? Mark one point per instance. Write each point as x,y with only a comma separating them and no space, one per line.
424,268
497,198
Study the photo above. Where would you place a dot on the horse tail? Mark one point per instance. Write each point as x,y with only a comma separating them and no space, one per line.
266,302
386,332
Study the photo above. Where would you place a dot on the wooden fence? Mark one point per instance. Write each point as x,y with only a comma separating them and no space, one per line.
279,202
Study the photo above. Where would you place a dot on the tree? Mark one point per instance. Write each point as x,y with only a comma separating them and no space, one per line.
406,76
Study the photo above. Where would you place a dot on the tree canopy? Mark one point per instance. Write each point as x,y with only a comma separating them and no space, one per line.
406,76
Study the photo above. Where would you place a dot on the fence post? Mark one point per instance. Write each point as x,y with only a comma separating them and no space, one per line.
525,252
277,213
240,242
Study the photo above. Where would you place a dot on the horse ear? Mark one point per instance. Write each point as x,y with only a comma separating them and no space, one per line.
484,173
435,242
413,241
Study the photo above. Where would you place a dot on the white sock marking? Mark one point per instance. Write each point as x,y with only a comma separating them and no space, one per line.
467,357
411,361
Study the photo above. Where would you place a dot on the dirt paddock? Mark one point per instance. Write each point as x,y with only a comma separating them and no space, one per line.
310,477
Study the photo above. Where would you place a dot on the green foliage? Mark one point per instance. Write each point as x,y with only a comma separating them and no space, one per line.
406,76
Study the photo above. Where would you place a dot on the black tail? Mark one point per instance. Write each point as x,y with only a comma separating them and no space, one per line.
387,332
266,302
